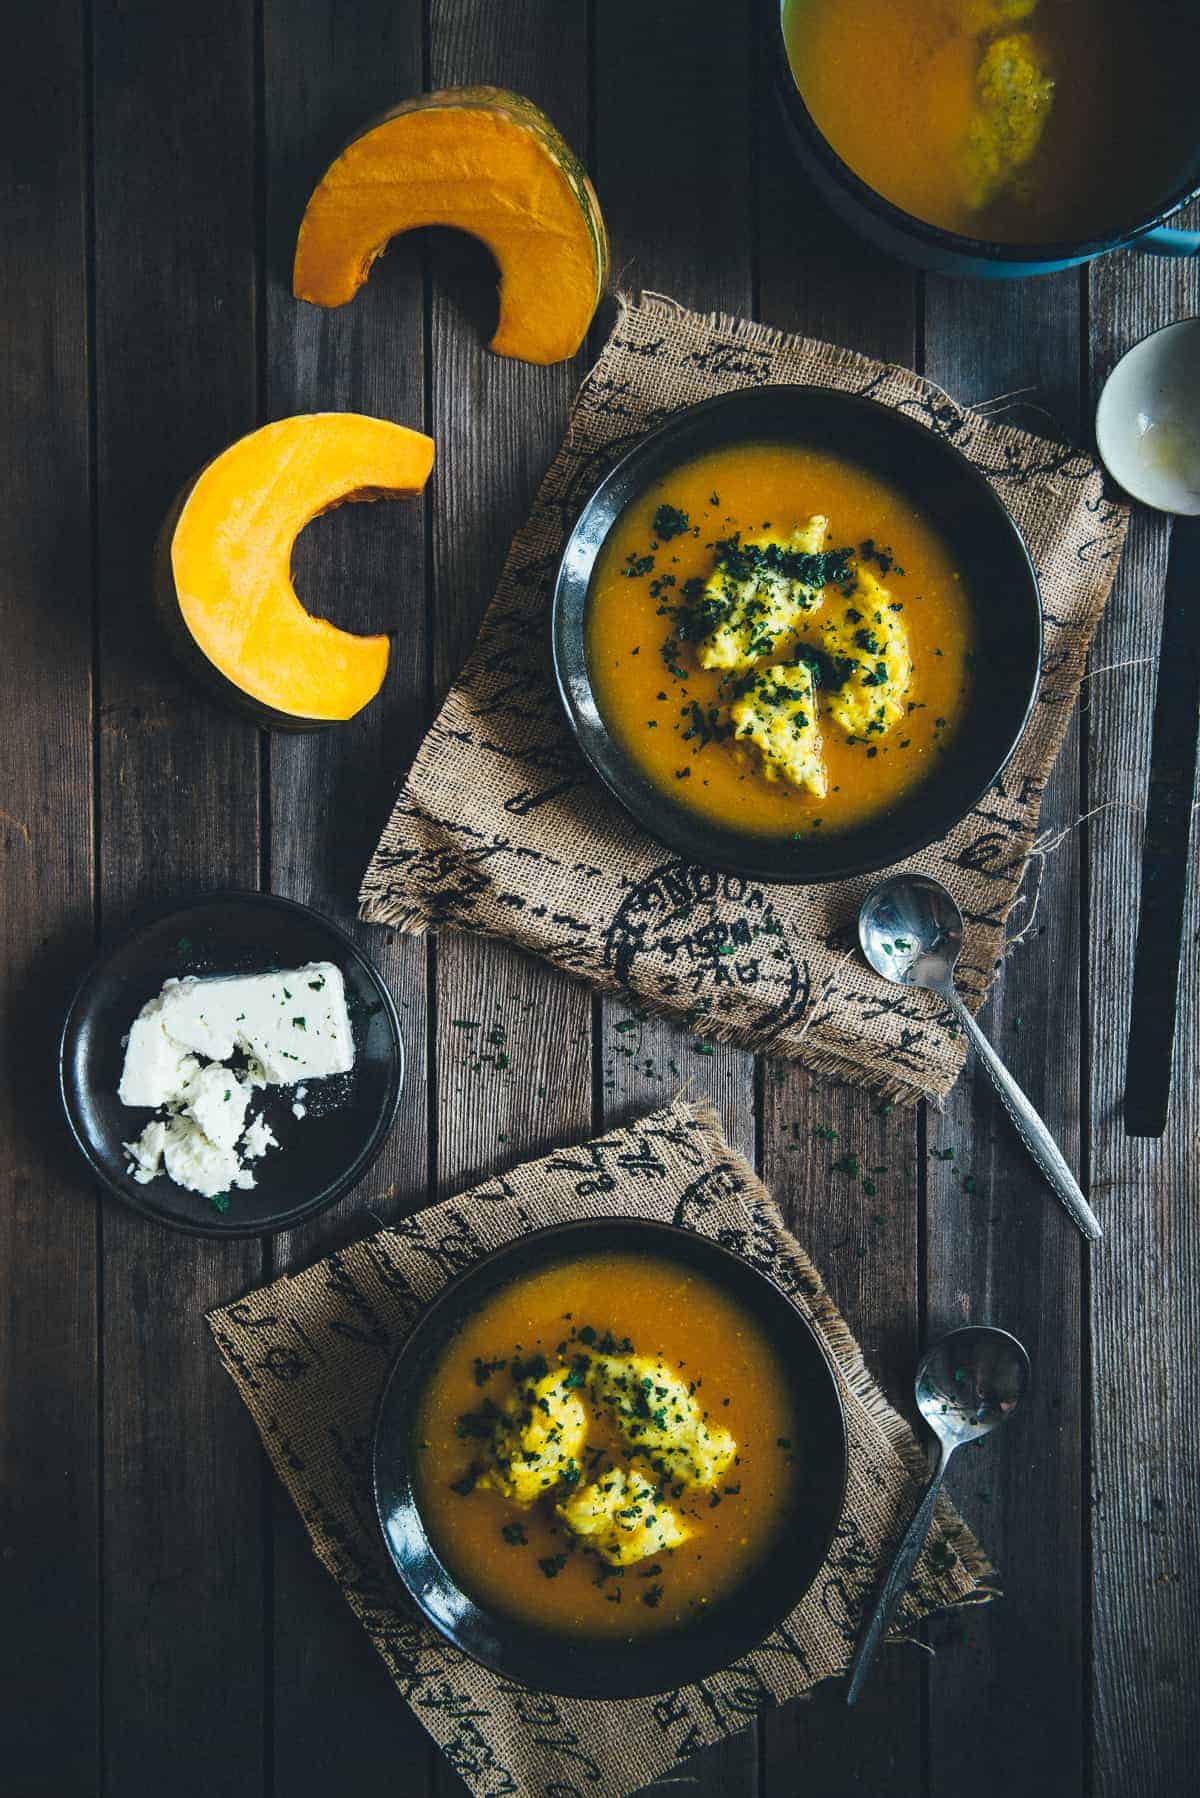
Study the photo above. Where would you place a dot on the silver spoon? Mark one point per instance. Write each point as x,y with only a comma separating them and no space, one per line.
911,932
967,1383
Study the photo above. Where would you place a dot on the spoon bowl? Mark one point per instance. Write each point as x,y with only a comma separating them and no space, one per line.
911,931
971,1381
967,1384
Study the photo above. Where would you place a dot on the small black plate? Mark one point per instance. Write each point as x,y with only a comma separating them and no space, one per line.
594,1667
998,577
322,1155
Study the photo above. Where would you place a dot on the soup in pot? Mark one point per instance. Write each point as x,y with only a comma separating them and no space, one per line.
1009,120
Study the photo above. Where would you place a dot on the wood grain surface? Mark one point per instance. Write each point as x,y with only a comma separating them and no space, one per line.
164,1624
50,1526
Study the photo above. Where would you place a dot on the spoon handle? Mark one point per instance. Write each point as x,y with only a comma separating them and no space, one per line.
1029,1126
905,1559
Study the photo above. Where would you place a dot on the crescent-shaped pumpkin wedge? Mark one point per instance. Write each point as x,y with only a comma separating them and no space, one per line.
483,161
223,568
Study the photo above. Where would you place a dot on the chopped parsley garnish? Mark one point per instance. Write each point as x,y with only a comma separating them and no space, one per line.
636,566
478,1425
670,522
811,568
485,1369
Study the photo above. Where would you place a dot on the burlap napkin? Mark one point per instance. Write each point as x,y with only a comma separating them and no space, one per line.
501,828
309,1355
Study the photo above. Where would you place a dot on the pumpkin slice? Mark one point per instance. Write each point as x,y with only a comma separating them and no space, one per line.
224,577
483,161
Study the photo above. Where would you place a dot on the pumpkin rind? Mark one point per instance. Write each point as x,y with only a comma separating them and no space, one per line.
482,160
223,565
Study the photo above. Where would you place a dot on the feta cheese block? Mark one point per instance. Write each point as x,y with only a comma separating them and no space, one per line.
293,1024
156,1065
286,1028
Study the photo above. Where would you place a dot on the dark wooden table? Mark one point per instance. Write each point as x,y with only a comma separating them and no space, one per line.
165,1627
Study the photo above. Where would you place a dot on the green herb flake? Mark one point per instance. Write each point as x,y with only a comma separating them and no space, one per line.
670,521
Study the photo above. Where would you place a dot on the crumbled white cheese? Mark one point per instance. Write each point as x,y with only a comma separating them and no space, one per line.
295,1024
258,1138
146,1154
194,1160
217,1101
290,1027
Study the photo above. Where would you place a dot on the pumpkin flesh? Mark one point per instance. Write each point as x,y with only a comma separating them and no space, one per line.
479,161
231,551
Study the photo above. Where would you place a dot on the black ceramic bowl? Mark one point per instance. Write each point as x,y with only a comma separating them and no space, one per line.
997,576
322,1155
583,1667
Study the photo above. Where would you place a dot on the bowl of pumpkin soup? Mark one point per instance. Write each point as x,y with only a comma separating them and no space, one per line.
994,137
610,1458
796,634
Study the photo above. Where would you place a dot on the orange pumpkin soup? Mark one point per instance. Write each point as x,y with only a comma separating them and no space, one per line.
1009,120
606,1446
778,639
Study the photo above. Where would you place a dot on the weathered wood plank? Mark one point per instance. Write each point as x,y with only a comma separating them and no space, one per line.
676,99
844,1167
49,1518
513,1036
178,790
997,1247
694,130
1146,1277
513,1049
365,566
816,277
335,1716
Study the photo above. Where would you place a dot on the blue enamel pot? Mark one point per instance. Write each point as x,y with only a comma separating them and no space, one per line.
948,252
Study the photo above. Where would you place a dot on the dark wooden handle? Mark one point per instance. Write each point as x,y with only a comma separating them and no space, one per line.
1165,858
